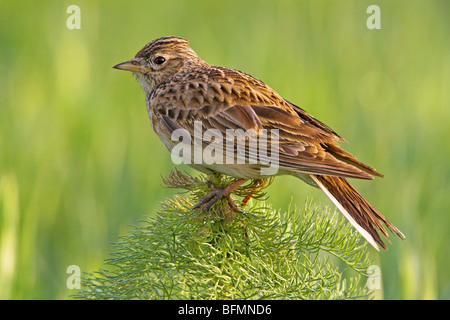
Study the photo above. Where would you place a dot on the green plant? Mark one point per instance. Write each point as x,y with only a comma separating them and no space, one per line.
258,254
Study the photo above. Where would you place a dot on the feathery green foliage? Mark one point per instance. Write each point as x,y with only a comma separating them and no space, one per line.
261,253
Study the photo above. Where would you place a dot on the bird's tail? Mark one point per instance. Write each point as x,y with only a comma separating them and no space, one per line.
361,214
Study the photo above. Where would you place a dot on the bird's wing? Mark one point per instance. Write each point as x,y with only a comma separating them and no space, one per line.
245,103
303,138
298,149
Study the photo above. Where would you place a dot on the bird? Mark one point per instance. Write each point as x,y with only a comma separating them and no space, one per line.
186,94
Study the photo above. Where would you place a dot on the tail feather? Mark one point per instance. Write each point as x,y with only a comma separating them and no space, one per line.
361,214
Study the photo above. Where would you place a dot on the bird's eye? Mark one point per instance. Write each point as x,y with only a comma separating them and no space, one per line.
159,60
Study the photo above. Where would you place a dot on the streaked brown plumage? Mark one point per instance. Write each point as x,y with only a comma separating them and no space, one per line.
181,89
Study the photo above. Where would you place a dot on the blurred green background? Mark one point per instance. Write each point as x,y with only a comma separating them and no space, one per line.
79,162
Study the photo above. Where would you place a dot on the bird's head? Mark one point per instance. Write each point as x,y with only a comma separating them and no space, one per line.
159,61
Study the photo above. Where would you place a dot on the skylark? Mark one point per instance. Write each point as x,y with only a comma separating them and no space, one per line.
183,91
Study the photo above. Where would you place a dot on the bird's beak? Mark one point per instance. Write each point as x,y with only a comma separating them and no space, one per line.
131,65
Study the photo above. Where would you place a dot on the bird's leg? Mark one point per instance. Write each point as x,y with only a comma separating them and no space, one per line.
217,193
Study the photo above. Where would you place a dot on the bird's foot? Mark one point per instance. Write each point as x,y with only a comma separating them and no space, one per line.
218,193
